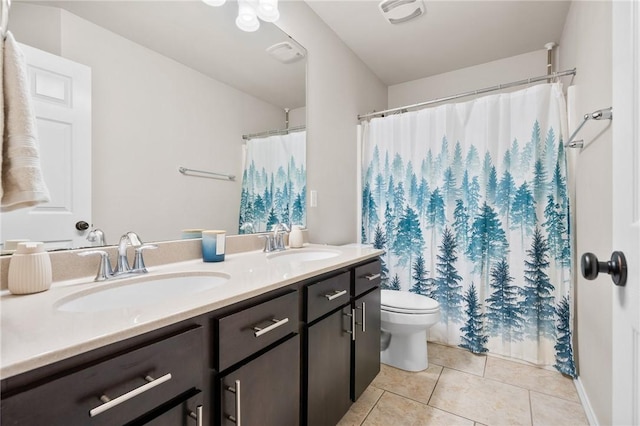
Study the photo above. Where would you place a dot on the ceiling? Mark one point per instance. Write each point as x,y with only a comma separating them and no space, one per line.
451,35
201,37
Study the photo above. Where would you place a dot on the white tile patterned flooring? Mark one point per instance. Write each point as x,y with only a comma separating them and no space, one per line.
460,388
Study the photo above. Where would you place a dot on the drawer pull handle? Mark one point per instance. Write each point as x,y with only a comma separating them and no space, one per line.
335,294
110,403
372,277
197,416
237,419
353,324
276,323
364,317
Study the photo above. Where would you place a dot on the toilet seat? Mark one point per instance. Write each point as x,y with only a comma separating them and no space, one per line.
404,302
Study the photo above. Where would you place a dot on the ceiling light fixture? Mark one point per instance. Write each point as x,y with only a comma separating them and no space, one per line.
250,10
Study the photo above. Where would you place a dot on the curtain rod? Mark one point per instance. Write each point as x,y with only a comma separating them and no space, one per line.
471,93
274,132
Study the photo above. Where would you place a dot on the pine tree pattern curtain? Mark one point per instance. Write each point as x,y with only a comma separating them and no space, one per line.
273,182
469,202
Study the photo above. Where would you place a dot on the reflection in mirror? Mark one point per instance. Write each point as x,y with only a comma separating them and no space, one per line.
274,181
170,84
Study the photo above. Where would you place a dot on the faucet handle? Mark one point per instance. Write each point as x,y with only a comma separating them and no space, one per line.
104,271
138,262
268,242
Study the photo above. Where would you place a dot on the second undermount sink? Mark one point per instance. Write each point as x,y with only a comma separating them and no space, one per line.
146,290
303,255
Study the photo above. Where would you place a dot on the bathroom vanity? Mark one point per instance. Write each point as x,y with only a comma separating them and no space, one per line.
284,341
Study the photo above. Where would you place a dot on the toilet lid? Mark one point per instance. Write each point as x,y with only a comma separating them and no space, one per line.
406,302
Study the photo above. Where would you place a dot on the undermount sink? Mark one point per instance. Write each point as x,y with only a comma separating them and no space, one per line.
303,255
140,292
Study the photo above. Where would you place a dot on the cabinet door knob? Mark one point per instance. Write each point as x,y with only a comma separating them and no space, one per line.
276,323
364,317
197,416
616,267
353,324
238,418
335,294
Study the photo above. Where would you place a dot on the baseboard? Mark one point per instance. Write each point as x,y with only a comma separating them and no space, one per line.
586,404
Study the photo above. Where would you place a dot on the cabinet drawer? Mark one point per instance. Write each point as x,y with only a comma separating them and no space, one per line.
324,296
367,277
245,332
175,363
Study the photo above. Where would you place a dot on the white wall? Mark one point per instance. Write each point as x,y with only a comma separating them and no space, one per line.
466,79
339,87
159,115
586,45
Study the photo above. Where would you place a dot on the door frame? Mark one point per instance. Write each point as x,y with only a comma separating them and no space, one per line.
625,395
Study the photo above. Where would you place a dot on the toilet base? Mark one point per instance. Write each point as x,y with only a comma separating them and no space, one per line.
407,351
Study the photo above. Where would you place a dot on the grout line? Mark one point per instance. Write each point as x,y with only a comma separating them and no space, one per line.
436,384
373,406
430,406
530,409
484,367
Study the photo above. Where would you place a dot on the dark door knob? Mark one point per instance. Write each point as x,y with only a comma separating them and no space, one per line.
82,225
616,267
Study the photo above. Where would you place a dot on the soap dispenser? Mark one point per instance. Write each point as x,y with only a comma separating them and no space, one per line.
295,237
29,269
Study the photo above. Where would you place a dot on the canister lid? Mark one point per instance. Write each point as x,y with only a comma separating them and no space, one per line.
30,247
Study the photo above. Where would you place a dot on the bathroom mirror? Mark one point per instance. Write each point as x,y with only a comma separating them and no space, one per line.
173,84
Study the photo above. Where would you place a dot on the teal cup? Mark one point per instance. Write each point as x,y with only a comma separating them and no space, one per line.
213,243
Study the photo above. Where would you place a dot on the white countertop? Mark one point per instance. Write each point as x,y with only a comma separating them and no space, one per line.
34,333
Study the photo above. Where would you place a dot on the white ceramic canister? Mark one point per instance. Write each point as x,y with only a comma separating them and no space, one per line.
29,269
295,237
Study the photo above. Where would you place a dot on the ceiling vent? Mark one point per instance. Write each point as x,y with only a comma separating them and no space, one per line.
399,11
287,52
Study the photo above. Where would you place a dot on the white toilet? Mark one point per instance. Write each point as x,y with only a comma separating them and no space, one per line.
406,317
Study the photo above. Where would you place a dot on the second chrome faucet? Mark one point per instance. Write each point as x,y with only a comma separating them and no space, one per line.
274,241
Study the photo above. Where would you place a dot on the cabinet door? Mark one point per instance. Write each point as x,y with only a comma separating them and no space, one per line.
328,369
366,347
269,389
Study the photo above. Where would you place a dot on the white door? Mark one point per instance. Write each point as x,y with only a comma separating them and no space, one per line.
626,210
61,93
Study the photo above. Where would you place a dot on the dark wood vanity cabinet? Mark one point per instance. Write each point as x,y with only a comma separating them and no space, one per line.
283,358
155,382
342,341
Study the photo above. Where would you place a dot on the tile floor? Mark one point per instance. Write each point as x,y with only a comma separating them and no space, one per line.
460,388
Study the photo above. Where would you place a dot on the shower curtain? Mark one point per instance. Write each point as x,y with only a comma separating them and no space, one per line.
273,182
469,202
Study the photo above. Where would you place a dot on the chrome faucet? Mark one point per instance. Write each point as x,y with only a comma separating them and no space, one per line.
96,236
247,228
279,230
105,272
274,241
130,238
